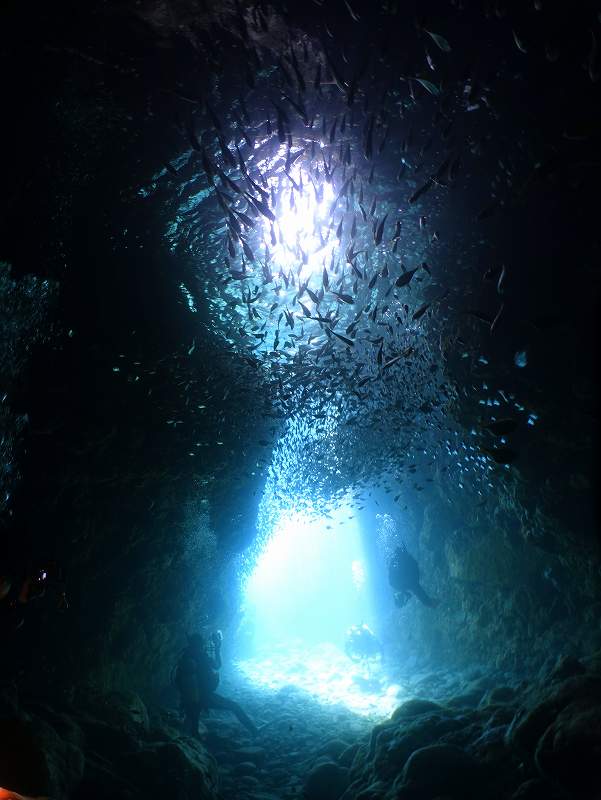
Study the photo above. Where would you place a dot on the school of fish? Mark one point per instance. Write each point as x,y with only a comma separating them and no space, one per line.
318,208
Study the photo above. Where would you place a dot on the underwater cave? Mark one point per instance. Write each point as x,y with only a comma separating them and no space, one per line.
299,400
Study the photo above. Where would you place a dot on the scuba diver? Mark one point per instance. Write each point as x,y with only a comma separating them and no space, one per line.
361,644
197,678
403,576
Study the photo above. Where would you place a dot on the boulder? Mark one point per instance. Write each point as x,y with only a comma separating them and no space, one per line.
393,747
101,781
499,695
333,748
255,754
182,770
415,708
565,667
35,760
467,700
326,781
121,710
490,746
375,791
593,662
107,741
529,725
442,769
347,756
569,750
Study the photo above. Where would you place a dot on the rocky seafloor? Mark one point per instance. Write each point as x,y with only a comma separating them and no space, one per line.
461,735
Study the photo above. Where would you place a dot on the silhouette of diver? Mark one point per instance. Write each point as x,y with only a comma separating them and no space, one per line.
361,644
403,576
197,678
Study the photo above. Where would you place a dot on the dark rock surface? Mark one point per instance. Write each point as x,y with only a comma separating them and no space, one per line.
108,749
135,438
523,742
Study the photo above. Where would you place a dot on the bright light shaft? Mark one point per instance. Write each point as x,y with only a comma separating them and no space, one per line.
310,582
304,236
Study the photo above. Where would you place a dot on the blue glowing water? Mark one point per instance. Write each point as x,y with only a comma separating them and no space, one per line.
311,581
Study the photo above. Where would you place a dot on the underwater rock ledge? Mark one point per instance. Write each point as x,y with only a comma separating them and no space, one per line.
526,741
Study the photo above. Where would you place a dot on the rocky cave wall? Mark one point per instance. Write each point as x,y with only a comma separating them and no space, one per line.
519,583
143,530
102,482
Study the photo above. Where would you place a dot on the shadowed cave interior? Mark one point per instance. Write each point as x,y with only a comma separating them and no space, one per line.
298,397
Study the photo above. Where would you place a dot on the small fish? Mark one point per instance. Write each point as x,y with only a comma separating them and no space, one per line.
439,40
348,342
420,312
261,206
379,232
354,16
247,251
229,182
422,190
344,298
405,277
245,219
428,85
501,279
317,79
430,60
227,154
520,359
299,108
495,321
337,77
313,296
230,248
333,131
519,43
299,76
391,362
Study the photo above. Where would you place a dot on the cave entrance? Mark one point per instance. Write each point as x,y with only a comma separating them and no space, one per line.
312,580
